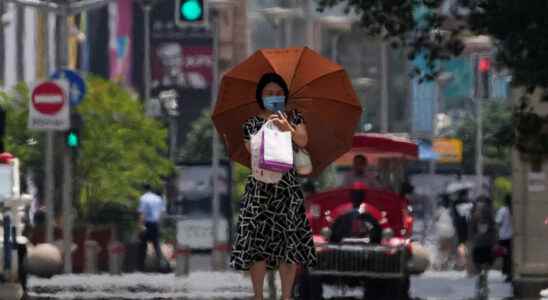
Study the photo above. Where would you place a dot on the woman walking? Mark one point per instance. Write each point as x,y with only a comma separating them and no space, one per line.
273,232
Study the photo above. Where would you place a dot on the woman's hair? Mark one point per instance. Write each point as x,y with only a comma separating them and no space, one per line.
264,81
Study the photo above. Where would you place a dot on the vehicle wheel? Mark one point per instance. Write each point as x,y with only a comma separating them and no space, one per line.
308,287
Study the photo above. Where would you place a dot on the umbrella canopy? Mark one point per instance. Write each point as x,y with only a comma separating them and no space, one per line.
457,186
376,145
318,88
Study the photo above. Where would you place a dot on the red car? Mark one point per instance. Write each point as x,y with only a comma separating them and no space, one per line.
363,234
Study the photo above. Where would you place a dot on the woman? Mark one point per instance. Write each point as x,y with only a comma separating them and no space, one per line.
273,232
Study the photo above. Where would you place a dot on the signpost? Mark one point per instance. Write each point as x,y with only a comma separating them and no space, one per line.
49,107
77,86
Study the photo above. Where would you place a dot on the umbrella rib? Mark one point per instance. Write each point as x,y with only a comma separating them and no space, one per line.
239,78
231,108
268,61
296,67
325,98
324,75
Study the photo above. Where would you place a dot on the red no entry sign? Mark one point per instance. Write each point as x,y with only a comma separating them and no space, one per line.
48,98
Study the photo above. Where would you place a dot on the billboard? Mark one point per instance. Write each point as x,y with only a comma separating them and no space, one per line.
176,62
183,63
448,150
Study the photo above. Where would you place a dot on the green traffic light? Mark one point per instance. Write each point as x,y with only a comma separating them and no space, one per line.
191,10
73,140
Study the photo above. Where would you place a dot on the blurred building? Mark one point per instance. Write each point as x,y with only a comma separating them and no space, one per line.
337,35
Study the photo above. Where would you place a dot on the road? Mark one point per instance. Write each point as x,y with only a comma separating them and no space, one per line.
230,285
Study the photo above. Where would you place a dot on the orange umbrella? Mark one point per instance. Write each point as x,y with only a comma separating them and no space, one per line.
318,88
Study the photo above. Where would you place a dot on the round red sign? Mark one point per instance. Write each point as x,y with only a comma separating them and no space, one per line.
48,98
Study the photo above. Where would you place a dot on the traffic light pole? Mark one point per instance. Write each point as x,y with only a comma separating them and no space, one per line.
147,7
67,158
215,145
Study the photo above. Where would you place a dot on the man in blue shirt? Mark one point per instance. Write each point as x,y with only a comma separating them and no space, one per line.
151,208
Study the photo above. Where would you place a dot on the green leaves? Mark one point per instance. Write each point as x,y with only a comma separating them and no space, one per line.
120,149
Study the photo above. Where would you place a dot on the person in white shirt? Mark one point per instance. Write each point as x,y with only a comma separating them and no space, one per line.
151,208
504,222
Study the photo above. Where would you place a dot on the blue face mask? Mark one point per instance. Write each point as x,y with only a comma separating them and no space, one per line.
274,103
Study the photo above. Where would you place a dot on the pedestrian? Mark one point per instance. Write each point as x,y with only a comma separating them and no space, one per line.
504,223
272,231
360,172
151,208
445,232
483,233
461,211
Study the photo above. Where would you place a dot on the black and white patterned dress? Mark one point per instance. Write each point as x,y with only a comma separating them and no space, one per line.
272,225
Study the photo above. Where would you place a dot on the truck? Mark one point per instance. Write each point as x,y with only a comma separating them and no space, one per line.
362,234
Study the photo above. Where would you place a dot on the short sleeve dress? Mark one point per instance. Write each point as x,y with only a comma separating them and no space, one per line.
272,225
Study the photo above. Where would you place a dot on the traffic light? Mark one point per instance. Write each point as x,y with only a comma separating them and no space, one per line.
73,140
190,13
484,68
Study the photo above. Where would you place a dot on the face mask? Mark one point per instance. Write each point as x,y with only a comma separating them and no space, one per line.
274,103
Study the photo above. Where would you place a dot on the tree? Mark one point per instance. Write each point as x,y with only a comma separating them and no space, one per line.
437,28
497,123
121,147
198,141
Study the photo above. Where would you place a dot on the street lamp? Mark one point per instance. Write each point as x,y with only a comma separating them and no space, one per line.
337,25
275,15
362,84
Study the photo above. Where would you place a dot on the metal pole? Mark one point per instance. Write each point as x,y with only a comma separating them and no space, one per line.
287,31
479,130
435,109
2,43
384,88
479,147
67,159
172,137
146,68
215,141
67,211
334,45
20,42
49,185
42,41
309,37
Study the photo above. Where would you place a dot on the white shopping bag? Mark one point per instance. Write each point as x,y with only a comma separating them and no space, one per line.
258,173
277,149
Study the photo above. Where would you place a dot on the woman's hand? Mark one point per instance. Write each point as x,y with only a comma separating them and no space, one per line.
299,133
280,120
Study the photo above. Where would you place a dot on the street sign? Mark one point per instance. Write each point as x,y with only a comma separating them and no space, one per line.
49,107
77,85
